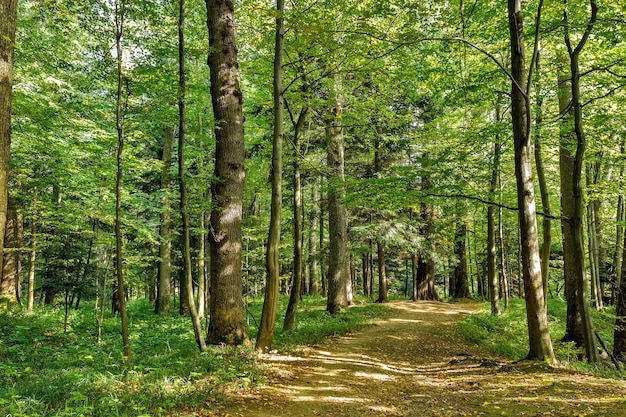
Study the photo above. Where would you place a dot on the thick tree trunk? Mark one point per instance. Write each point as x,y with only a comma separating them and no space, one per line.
8,16
540,345
162,304
226,310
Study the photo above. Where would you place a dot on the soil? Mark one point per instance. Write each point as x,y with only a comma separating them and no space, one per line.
415,364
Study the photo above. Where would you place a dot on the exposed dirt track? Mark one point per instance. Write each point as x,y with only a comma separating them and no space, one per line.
414,364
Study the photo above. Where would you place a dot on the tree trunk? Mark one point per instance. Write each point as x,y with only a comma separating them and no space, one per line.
540,345
187,271
619,335
296,288
461,289
11,266
382,273
576,221
226,324
546,229
162,304
337,217
492,270
573,329
8,16
270,302
120,112
314,287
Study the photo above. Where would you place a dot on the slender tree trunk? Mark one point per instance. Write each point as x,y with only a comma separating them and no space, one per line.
11,266
504,280
162,304
8,17
296,288
619,229
461,289
492,270
187,271
546,229
270,303
313,239
226,324
540,345
202,266
382,273
120,111
576,221
32,255
619,335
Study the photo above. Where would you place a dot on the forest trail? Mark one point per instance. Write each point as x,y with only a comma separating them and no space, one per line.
414,364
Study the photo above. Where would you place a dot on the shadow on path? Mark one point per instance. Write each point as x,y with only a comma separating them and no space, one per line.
414,364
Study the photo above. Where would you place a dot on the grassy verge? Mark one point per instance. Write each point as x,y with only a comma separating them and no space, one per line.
507,334
45,371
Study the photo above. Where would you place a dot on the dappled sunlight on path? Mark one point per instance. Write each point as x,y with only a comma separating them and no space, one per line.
414,364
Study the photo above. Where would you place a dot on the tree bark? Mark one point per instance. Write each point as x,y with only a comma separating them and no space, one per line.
540,345
338,275
619,334
120,112
296,288
314,287
8,17
226,324
270,302
492,270
461,289
162,304
382,273
576,221
187,271
11,266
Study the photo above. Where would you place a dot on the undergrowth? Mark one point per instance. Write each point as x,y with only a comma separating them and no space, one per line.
507,334
45,371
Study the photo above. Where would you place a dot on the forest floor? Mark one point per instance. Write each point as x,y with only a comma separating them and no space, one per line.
415,364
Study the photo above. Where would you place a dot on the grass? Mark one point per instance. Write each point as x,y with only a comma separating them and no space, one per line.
507,334
45,371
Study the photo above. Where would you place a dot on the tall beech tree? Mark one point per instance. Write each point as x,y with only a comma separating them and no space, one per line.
270,302
226,323
187,271
120,114
575,222
162,302
8,17
538,333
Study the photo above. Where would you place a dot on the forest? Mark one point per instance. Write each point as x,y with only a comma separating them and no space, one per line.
221,180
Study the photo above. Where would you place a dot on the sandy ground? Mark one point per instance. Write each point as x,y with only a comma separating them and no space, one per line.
414,364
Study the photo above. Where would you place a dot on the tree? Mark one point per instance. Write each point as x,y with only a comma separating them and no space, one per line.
187,271
8,17
226,323
120,112
575,222
270,302
538,333
162,302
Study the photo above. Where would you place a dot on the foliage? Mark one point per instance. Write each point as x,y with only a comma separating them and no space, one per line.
507,335
46,371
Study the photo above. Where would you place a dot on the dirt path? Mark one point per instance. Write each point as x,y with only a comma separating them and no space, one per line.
414,364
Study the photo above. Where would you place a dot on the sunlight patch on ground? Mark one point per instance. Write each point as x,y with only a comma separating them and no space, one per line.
378,377
408,321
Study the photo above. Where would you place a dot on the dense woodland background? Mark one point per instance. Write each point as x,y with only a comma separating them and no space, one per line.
396,115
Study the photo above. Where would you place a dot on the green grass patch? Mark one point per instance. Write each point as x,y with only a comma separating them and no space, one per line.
507,334
45,371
